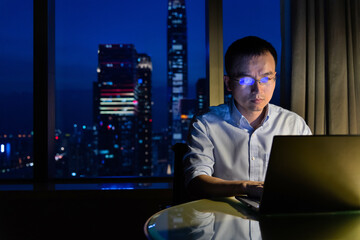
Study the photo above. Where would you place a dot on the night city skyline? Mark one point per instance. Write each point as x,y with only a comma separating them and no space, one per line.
82,25
81,28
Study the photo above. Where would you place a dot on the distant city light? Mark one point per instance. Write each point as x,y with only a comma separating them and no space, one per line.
7,148
118,186
58,157
104,151
2,148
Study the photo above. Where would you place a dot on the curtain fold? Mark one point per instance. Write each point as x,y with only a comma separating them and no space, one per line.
320,63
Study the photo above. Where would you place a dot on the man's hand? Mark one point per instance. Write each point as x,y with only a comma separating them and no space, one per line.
252,188
208,186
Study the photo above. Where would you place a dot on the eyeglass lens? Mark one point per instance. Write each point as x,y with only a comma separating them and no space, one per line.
250,81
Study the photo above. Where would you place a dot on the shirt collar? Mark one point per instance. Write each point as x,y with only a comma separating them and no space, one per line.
240,120
236,116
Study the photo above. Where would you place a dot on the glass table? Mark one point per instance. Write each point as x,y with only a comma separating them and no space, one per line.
227,218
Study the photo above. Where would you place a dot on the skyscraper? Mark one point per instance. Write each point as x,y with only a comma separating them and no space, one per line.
188,110
121,115
177,67
143,111
202,95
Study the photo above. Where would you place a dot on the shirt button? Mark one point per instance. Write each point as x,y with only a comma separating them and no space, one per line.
253,158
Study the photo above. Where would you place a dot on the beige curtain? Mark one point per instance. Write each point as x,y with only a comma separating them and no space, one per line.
320,75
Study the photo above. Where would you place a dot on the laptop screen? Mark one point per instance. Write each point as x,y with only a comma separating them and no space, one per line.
311,174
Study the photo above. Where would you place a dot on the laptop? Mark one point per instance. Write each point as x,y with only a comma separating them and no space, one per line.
311,174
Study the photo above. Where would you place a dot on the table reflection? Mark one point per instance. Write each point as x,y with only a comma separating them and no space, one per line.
204,219
228,219
209,225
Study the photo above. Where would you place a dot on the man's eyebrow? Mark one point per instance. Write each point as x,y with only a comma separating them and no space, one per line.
244,74
268,73
249,75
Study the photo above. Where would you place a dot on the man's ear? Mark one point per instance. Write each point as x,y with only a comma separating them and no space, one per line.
227,82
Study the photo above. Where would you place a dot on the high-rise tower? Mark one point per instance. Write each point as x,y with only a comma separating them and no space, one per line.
121,116
202,95
143,110
177,67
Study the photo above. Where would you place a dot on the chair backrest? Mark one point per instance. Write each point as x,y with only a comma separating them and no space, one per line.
180,194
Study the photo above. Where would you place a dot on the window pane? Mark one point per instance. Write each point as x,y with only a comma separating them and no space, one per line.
16,95
112,92
253,18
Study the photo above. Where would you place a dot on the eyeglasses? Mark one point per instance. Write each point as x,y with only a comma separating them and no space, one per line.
249,81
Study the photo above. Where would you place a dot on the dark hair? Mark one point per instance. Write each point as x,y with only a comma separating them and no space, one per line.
243,48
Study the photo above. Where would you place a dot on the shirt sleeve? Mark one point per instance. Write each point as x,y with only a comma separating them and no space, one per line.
304,128
200,158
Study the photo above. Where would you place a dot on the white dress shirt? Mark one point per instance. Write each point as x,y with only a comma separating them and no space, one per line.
223,144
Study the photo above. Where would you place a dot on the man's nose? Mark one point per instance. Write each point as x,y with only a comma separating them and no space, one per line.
255,87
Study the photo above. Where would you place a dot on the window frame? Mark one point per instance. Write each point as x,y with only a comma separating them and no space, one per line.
44,90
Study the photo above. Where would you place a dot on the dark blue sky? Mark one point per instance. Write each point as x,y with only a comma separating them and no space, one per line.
83,24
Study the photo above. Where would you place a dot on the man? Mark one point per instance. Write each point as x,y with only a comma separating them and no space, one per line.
230,145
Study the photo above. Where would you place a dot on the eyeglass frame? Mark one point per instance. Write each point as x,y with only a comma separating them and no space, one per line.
254,80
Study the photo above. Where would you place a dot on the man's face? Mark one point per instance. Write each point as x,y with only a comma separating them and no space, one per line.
251,99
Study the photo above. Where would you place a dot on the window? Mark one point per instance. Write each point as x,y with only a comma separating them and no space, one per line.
16,95
148,119
80,34
115,66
